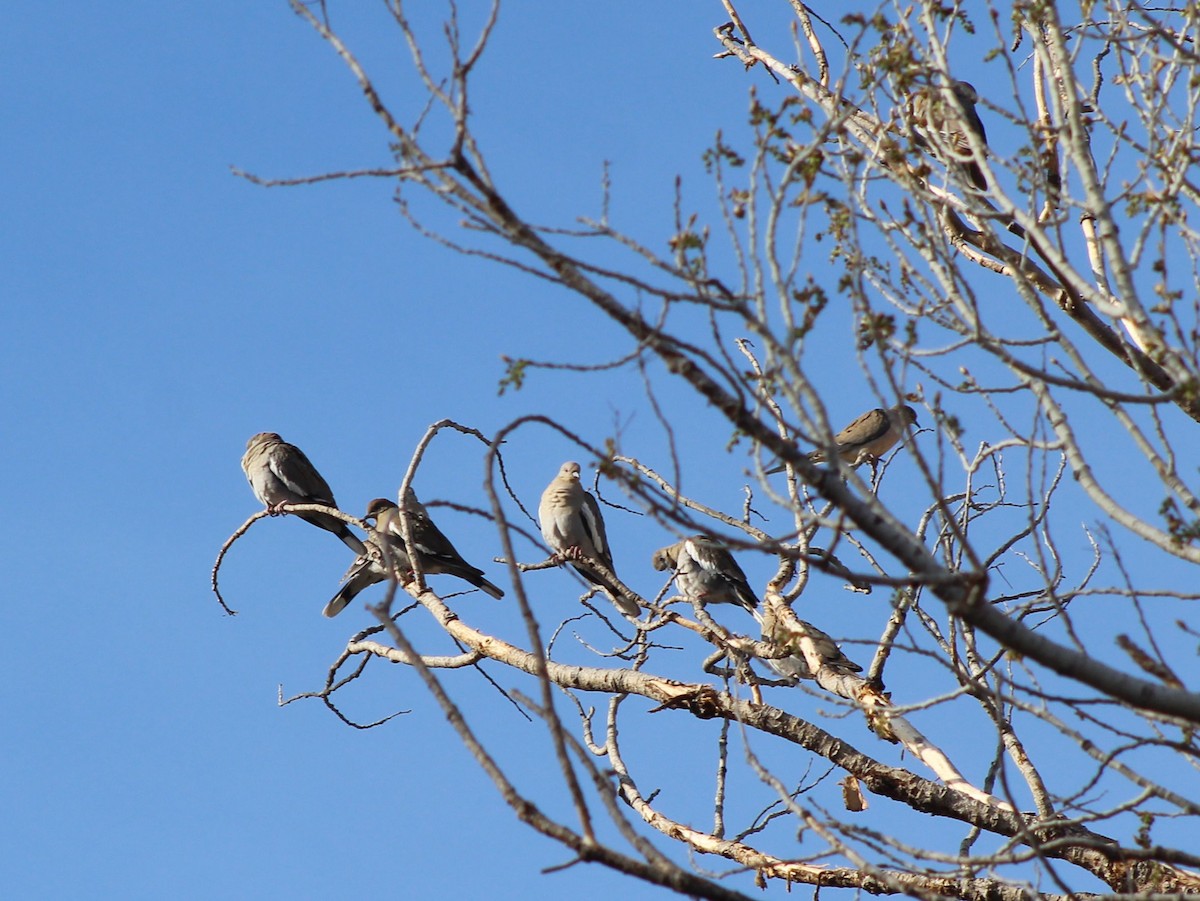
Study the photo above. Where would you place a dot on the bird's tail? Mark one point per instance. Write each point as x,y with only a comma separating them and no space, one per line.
484,585
342,599
626,606
338,528
351,540
974,174
816,456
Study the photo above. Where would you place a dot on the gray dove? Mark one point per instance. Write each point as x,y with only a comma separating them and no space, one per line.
279,474
942,128
384,547
434,551
706,572
572,526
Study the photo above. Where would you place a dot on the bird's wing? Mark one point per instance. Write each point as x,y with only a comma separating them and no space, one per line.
429,539
592,522
716,559
973,122
869,427
966,97
296,472
827,649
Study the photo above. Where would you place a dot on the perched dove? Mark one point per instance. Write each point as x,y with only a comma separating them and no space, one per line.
384,547
943,127
868,438
871,435
572,526
279,473
434,551
706,572
781,626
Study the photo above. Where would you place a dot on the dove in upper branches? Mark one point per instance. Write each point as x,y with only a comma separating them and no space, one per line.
942,127
573,526
871,435
279,473
384,547
433,549
868,438
706,572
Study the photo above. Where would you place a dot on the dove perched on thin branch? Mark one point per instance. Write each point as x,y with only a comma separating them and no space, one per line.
706,572
944,119
433,550
808,644
871,435
384,548
868,438
574,528
280,474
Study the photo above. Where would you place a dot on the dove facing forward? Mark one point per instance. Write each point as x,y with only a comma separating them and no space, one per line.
384,547
279,473
942,126
572,526
706,572
433,549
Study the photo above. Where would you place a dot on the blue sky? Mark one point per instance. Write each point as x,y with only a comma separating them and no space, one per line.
160,310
